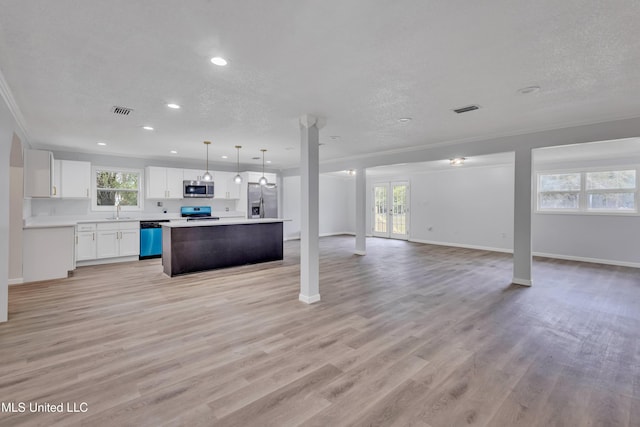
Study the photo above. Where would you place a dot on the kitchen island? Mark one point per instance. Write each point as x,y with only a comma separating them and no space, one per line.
192,246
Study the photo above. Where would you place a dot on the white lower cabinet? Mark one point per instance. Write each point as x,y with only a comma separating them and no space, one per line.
116,239
107,240
108,244
129,244
47,253
85,242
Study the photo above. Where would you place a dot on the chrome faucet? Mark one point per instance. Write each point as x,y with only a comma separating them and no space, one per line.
118,210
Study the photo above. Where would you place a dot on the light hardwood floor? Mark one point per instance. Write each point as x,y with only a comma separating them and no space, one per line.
409,335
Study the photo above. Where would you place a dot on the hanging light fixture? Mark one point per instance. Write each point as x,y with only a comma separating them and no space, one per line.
207,176
263,179
238,179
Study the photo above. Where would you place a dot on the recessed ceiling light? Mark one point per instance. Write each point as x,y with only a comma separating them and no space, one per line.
224,157
268,161
405,119
256,158
174,152
351,172
529,89
174,106
334,137
147,128
102,144
458,161
219,61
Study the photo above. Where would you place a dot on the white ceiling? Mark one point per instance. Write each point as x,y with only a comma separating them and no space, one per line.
362,64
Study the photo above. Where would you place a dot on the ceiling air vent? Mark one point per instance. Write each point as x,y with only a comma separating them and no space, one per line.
466,109
123,111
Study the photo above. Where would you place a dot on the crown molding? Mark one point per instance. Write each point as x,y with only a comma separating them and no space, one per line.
7,95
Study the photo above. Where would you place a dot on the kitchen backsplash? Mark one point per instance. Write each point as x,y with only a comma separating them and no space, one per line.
67,207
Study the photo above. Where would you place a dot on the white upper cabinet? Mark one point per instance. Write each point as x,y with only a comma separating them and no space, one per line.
220,185
46,177
75,179
38,173
55,190
163,183
174,183
233,189
193,174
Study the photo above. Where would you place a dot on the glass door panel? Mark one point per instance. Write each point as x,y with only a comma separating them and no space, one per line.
380,210
399,210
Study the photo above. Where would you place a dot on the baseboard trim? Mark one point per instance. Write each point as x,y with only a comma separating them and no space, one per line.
18,281
591,260
107,261
521,282
309,300
337,233
461,245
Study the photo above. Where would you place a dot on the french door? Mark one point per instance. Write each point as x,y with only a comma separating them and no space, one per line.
391,210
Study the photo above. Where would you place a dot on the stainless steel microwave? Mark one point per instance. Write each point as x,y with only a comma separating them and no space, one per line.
197,189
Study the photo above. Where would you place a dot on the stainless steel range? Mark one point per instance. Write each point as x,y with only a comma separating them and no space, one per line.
197,213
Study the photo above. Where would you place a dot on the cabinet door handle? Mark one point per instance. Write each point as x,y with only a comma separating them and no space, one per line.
93,236
76,240
55,191
87,192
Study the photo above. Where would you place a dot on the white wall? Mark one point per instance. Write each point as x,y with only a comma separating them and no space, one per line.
16,211
473,207
611,239
337,205
8,127
464,206
469,207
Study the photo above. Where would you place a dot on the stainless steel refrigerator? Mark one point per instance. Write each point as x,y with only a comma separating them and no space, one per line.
262,200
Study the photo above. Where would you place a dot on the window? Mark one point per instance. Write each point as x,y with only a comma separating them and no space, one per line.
605,191
114,187
559,191
611,190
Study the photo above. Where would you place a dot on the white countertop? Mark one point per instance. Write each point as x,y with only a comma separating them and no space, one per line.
72,221
222,221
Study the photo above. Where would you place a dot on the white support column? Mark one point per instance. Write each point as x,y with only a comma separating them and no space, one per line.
522,219
309,228
361,211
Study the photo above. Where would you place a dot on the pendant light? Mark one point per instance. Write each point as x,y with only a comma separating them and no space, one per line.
238,179
263,179
207,176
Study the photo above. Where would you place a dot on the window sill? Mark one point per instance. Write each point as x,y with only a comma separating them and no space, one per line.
588,213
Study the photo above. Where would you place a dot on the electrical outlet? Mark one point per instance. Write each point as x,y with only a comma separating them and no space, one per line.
159,204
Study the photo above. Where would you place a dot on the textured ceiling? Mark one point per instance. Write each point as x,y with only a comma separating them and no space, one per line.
362,64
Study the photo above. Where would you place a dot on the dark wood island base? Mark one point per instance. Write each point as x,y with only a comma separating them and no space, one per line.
208,246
